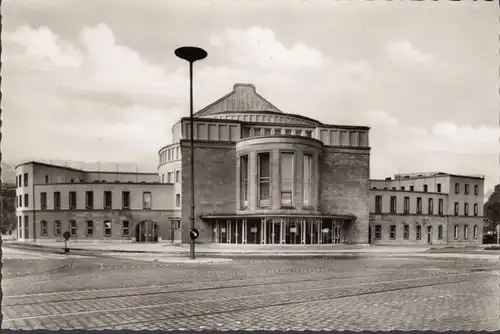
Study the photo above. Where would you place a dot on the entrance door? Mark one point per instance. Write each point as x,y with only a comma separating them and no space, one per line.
429,235
146,231
336,235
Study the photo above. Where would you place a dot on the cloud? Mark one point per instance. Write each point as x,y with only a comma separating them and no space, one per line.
404,51
93,98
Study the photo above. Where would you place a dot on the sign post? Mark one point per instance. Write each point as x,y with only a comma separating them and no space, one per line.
194,234
66,236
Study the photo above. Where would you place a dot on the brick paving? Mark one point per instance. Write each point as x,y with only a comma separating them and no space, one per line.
263,294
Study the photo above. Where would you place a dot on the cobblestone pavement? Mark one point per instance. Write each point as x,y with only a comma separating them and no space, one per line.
350,293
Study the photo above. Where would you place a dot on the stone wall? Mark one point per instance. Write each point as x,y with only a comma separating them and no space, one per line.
344,187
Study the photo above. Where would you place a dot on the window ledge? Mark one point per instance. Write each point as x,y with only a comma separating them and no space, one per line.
287,207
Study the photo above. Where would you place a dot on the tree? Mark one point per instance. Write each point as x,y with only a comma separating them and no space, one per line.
491,209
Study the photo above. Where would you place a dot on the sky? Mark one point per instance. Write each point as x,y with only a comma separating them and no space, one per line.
98,80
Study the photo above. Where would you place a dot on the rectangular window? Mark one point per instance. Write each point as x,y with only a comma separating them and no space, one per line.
430,207
456,209
378,232
125,228
419,205
177,200
146,200
412,188
26,227
72,200
16,202
25,179
43,201
393,204
244,181
72,228
107,200
439,187
89,228
406,232
378,204
475,231
440,232
476,209
46,179
476,190
466,189
177,176
392,232
425,188
169,177
264,178
418,233
26,200
466,231
43,228
57,200
107,228
287,177
125,199
402,188
406,205
457,188
89,199
307,182
20,201
440,206
20,181
455,232
162,178
466,209
57,228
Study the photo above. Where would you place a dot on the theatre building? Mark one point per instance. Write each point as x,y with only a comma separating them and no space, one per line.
263,176
93,205
427,208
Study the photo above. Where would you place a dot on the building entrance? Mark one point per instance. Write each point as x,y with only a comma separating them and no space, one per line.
429,235
146,231
278,231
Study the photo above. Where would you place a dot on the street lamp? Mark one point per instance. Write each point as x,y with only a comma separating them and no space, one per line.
191,54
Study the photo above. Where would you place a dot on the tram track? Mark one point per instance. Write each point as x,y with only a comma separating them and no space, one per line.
181,282
265,299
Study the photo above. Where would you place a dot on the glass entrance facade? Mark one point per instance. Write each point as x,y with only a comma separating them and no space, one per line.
280,231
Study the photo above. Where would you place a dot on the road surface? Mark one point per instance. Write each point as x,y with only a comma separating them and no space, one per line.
54,291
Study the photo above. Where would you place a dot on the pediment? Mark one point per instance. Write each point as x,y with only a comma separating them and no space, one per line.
243,98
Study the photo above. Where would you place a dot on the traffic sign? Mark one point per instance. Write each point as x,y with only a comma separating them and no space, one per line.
194,234
66,235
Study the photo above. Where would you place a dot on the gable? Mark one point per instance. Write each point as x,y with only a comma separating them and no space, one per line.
243,98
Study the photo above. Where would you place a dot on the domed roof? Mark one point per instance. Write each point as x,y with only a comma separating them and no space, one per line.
243,98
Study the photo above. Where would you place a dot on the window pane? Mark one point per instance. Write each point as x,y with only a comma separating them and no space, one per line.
147,200
264,165
286,178
307,178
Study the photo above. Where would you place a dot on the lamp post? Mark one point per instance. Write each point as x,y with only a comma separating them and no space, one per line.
191,54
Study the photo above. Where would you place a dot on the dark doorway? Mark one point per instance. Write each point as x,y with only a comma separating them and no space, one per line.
146,231
429,235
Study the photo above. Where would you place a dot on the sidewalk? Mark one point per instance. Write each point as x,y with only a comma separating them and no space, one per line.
266,250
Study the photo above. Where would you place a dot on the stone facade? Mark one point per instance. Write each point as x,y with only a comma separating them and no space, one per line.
133,206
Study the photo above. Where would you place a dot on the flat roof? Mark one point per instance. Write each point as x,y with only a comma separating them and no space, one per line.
81,170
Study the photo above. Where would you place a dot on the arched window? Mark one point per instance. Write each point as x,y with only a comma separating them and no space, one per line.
466,231
476,231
